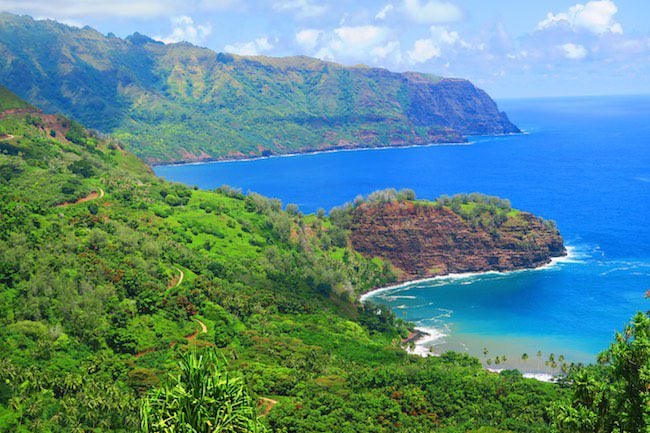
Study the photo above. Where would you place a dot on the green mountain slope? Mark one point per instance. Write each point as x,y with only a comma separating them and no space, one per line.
179,102
106,272
10,101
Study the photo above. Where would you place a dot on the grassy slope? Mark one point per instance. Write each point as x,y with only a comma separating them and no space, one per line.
85,287
9,101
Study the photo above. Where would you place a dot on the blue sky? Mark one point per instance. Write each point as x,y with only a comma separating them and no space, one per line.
509,48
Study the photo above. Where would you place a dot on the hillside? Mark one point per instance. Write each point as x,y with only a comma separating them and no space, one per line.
179,102
107,273
10,101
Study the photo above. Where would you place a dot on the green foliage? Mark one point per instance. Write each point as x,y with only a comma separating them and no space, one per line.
380,319
92,290
74,401
82,167
76,133
172,200
9,100
450,393
616,395
479,210
203,398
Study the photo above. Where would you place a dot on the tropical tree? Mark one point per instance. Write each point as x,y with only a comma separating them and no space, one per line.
616,395
629,357
203,398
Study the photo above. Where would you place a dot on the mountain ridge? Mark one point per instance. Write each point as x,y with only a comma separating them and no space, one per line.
181,103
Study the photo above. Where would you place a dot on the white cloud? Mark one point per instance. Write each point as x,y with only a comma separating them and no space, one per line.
309,38
573,51
381,15
594,16
423,50
218,5
360,36
251,48
185,30
432,12
391,49
61,9
354,44
302,8
427,49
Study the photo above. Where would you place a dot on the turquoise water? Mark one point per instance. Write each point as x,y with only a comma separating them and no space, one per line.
583,162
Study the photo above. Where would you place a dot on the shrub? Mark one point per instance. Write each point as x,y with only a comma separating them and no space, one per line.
82,168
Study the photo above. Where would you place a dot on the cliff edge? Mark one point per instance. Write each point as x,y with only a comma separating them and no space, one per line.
468,233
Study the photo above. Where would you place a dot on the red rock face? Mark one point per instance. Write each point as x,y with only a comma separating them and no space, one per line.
424,241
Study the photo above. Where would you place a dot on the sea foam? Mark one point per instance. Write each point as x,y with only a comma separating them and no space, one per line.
542,377
424,344
572,256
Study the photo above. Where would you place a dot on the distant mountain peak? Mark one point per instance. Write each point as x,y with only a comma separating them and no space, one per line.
140,39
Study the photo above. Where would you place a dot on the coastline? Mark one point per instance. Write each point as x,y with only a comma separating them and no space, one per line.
542,377
468,141
422,336
315,152
568,257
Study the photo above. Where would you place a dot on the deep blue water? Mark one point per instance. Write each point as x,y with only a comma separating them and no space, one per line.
583,162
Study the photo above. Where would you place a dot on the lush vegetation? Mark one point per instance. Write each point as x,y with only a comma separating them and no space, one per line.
178,102
123,297
9,101
613,396
202,398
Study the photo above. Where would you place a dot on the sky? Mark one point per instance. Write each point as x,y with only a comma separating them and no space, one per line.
509,48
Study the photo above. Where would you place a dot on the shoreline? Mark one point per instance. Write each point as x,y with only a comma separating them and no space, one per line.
542,377
316,152
421,336
568,257
469,140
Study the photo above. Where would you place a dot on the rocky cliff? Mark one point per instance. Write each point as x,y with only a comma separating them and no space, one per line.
423,239
179,102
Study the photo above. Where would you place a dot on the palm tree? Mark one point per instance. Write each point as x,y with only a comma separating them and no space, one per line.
524,357
551,361
202,398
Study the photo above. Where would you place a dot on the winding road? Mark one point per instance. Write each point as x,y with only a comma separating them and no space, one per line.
92,196
204,329
268,404
190,337
180,278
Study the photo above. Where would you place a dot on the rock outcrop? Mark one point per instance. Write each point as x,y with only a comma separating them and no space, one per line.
424,240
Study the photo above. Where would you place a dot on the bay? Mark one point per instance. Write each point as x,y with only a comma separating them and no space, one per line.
583,162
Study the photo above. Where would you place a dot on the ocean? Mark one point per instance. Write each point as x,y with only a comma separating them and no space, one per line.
583,162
